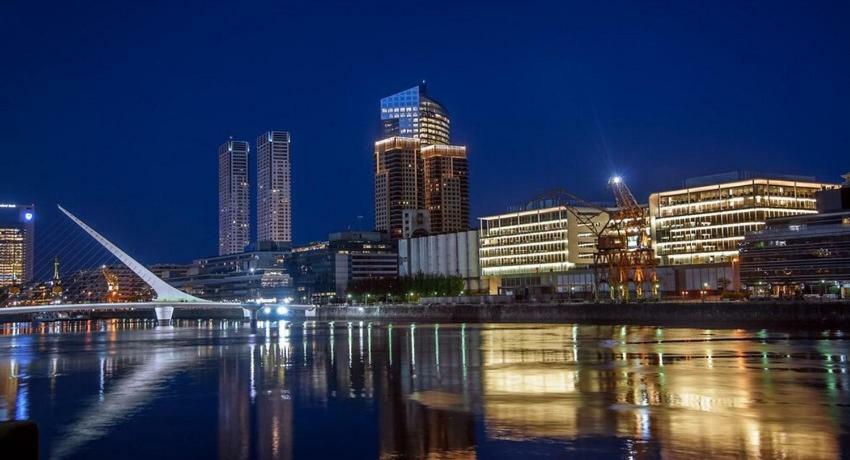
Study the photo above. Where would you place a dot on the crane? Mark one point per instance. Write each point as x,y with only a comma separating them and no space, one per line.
623,255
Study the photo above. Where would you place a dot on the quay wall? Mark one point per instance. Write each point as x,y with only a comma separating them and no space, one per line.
727,314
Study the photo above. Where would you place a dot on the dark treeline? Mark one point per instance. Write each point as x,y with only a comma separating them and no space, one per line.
406,288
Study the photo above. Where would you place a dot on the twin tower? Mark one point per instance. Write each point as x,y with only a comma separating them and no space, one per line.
274,193
421,181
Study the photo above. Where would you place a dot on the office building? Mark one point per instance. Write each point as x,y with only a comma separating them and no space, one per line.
234,215
416,169
525,251
106,284
806,254
446,187
274,188
324,270
239,277
17,236
447,254
398,173
413,114
705,221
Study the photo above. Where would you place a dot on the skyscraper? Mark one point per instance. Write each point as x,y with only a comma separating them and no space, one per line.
274,188
412,113
233,197
446,187
17,235
415,168
398,175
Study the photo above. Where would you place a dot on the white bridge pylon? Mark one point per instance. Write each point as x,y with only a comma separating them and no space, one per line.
164,291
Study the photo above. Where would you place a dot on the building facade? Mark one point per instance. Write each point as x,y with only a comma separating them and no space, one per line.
412,113
526,251
234,212
324,270
17,242
240,277
446,187
705,221
808,254
274,187
447,254
106,284
398,186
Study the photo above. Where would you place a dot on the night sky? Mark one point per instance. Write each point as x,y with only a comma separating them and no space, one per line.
116,110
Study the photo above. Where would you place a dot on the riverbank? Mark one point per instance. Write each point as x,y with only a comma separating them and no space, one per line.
709,314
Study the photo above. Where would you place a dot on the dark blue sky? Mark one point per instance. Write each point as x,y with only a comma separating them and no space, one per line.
116,111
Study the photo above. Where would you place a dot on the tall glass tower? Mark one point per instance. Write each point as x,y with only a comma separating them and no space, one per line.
274,188
233,197
411,113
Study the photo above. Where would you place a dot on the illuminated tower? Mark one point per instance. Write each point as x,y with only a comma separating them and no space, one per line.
398,174
233,197
274,188
17,235
412,113
446,187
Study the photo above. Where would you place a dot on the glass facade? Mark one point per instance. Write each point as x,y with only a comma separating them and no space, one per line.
411,113
17,232
706,224
808,254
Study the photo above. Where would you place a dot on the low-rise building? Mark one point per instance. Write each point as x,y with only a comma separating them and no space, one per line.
802,254
324,270
706,220
447,254
234,277
523,252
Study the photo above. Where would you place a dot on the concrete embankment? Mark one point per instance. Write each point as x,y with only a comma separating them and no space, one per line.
709,314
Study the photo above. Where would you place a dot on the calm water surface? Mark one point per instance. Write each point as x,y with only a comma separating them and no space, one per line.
122,389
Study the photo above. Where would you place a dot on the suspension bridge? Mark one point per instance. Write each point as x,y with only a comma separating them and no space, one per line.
166,298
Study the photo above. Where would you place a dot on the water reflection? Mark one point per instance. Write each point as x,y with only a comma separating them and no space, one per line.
424,391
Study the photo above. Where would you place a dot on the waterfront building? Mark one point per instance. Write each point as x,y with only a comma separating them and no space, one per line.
17,237
324,270
446,254
398,186
706,220
412,113
239,277
234,213
105,284
274,188
525,251
806,254
446,187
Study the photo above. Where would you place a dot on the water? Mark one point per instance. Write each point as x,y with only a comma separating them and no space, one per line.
122,389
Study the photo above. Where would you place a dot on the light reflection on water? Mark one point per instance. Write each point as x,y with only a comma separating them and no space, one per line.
207,389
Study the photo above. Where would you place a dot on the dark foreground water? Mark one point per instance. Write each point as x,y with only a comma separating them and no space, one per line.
121,389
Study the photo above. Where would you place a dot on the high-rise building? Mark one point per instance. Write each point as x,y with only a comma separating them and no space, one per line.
398,182
274,188
446,187
416,170
17,235
233,197
412,113
705,221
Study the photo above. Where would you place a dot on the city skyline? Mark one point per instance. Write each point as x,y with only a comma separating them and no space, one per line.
568,131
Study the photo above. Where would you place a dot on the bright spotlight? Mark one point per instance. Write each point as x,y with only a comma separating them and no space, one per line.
282,310
616,179
267,310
